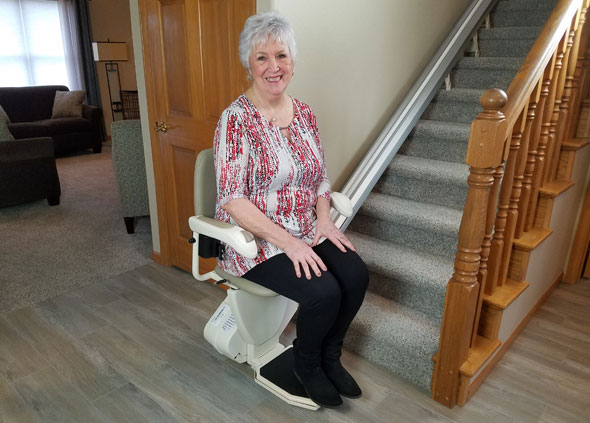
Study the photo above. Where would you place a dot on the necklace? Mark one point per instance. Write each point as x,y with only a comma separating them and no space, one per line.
263,108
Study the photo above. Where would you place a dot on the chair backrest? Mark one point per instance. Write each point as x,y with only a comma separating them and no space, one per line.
205,186
129,165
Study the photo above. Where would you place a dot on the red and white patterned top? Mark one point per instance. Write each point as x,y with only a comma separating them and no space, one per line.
283,178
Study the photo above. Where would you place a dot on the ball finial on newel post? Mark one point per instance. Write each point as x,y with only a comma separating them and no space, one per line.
493,99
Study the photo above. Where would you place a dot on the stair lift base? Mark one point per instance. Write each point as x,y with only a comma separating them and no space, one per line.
271,361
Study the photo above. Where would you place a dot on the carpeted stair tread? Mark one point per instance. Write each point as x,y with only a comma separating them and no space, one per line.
429,228
514,5
451,131
511,18
435,171
384,329
415,214
510,33
438,140
459,105
428,272
482,78
430,181
492,63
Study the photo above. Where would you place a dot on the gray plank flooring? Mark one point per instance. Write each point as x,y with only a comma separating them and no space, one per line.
130,349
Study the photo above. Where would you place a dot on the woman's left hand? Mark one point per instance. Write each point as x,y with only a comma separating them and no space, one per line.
325,228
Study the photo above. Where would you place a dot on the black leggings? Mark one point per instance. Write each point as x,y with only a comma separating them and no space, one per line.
327,304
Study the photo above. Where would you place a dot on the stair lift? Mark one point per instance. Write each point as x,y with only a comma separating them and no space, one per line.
247,324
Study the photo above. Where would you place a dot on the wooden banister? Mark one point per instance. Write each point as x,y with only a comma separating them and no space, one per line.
484,154
534,64
513,143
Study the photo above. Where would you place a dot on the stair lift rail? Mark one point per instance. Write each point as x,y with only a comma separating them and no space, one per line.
390,139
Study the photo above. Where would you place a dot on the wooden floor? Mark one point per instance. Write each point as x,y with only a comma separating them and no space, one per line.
130,349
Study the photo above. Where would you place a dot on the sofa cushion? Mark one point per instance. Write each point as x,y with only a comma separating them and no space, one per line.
3,115
68,104
50,127
5,134
29,104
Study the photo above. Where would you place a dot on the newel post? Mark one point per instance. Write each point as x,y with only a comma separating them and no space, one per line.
484,153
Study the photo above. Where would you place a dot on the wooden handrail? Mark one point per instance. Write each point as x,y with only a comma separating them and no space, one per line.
535,62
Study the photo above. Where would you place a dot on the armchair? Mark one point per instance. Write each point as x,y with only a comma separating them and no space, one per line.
129,165
28,172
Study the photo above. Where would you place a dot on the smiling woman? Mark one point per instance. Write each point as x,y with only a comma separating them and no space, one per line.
272,181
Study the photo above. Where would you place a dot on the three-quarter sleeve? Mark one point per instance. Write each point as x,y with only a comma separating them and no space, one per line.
324,187
231,153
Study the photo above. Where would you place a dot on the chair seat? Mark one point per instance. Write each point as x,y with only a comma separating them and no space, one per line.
248,286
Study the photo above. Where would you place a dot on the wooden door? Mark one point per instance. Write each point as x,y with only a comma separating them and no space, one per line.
192,74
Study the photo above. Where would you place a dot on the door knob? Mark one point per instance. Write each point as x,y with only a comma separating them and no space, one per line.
161,127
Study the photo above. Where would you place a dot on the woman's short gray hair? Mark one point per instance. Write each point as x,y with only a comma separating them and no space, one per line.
259,28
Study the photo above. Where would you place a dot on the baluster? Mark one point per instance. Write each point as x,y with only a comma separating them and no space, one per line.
498,245
517,187
578,52
533,132
566,77
543,141
483,275
484,154
559,77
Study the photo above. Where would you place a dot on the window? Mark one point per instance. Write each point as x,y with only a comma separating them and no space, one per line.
32,50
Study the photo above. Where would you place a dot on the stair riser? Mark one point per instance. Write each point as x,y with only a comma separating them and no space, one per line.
410,295
505,48
436,149
415,238
452,111
406,361
451,196
520,18
481,78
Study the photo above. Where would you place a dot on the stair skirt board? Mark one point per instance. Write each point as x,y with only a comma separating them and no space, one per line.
407,229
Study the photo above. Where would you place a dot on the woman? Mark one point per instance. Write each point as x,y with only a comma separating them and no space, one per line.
271,181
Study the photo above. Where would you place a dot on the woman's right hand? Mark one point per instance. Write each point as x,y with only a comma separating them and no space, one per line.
303,256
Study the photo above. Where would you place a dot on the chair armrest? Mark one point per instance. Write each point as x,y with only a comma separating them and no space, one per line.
342,204
26,149
240,240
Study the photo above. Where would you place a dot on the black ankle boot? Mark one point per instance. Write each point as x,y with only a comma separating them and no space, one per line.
342,380
317,385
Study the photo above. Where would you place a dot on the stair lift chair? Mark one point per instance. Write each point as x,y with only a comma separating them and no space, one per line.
247,325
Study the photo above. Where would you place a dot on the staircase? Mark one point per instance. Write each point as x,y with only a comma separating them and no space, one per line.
407,229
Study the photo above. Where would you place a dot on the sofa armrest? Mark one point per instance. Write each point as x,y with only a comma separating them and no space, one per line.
26,149
92,113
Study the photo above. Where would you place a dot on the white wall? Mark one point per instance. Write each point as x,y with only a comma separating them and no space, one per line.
548,260
357,60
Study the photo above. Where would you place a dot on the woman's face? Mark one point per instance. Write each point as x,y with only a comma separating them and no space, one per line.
272,68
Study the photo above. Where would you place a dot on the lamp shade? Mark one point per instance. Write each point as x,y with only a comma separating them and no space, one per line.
110,52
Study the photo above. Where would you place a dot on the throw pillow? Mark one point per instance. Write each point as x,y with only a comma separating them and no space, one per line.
68,104
3,115
5,134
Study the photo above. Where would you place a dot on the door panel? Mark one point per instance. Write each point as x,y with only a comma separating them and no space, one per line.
193,73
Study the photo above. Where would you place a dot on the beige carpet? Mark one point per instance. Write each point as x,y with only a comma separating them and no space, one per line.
46,251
